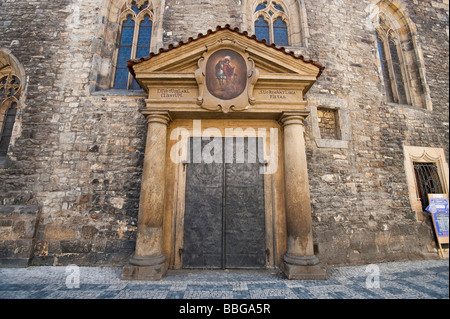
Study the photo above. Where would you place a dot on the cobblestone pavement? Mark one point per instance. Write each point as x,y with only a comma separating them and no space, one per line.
398,280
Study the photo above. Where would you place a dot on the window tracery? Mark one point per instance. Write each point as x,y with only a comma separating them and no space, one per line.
393,74
401,61
271,22
10,90
136,21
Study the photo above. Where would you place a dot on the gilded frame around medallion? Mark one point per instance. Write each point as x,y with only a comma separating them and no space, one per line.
226,77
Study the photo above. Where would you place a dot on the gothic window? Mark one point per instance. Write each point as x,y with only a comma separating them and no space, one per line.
262,29
397,70
10,89
402,66
270,23
393,74
385,69
135,39
280,32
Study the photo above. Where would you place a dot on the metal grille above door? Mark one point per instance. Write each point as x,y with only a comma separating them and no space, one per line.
224,223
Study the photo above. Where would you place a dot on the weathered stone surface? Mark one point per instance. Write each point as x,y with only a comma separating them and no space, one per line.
295,272
154,273
17,230
79,152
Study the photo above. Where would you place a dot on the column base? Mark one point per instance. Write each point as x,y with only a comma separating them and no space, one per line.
153,269
303,268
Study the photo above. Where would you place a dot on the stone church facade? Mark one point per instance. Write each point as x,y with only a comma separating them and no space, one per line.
97,94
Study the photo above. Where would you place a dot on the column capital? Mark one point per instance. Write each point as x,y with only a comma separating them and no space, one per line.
162,117
293,118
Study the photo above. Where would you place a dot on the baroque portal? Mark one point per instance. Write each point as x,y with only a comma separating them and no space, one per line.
192,213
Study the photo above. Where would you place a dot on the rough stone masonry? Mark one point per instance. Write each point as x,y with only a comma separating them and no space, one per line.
69,192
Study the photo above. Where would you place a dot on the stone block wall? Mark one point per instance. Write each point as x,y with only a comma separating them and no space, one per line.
79,152
79,155
17,233
189,18
360,201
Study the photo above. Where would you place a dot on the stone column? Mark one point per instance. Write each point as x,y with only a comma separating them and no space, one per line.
149,262
299,261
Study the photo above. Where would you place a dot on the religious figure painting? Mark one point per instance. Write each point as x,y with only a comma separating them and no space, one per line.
226,74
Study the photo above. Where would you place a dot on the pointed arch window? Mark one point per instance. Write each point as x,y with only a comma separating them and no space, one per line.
401,61
385,69
262,29
271,23
135,40
10,90
389,51
280,32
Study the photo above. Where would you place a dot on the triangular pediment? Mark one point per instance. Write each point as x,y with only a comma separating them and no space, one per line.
225,71
185,56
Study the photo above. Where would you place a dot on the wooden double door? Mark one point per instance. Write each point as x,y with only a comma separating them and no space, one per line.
224,221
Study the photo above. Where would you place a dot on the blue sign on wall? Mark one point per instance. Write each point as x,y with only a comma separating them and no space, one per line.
438,208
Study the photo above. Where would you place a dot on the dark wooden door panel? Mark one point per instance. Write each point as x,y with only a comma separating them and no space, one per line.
224,213
244,210
203,215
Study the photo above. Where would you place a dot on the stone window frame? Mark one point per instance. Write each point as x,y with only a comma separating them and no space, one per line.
10,65
106,43
137,18
392,24
296,18
7,102
418,154
343,125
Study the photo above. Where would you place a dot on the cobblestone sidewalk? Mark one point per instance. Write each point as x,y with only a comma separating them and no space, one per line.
398,280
